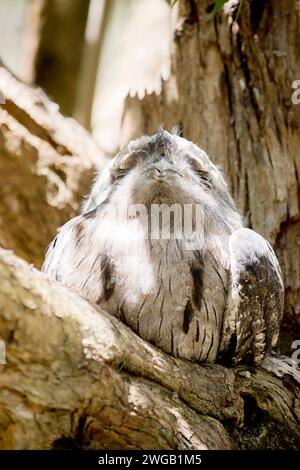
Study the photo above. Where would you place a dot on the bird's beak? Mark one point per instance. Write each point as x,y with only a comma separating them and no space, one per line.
162,169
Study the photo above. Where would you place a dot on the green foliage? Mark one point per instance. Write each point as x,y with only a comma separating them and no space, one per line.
220,3
218,6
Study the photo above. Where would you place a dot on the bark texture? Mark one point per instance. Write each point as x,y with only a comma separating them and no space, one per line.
46,164
78,378
230,90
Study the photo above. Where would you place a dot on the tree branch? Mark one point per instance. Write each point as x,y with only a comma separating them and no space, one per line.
78,378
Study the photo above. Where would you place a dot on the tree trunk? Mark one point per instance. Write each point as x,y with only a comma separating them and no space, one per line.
230,90
59,54
93,384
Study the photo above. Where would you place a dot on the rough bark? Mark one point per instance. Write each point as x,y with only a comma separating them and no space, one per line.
46,163
78,378
231,93
33,20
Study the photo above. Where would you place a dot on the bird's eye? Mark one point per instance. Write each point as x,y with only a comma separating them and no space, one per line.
130,160
124,164
203,174
118,174
204,177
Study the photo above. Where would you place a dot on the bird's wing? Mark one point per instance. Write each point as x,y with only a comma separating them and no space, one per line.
255,300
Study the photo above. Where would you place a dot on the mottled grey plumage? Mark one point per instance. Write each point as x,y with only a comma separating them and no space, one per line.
221,300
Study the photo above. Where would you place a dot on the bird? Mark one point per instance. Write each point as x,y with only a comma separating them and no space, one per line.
212,293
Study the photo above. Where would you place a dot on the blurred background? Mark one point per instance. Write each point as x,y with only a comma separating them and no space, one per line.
121,68
88,55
